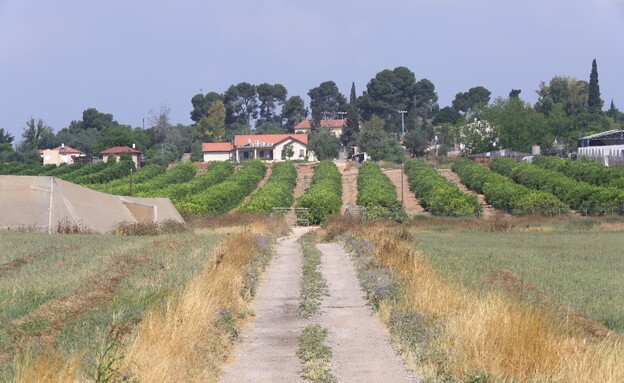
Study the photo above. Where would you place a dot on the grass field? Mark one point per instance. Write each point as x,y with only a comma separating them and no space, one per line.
68,291
582,270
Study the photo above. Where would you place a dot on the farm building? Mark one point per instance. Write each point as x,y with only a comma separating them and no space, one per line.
44,203
334,126
604,147
217,151
116,151
487,156
61,155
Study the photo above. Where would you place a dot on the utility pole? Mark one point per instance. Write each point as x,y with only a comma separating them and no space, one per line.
402,120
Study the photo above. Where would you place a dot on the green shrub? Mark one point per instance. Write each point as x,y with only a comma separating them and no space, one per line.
504,194
324,196
438,195
277,192
377,193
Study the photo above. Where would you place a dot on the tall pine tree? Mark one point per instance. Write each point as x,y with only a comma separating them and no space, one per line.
349,132
593,101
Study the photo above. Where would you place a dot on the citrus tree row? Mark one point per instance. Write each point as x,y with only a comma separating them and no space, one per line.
226,195
583,170
438,195
581,196
377,193
324,196
504,194
121,186
277,192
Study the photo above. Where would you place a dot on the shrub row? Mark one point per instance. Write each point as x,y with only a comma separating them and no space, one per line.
182,172
504,194
437,194
83,170
121,186
215,173
62,169
111,172
583,170
277,192
377,193
581,196
224,196
324,196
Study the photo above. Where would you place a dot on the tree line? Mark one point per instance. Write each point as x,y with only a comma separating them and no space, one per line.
395,107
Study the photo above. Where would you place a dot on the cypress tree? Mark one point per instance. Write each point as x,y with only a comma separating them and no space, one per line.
593,101
350,131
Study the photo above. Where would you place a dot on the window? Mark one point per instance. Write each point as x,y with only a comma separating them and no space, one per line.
261,154
301,153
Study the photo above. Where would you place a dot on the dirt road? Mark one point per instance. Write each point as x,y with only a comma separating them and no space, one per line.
360,348
410,202
268,350
361,351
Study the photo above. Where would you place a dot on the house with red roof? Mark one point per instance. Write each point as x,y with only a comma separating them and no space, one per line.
60,155
271,147
117,151
217,151
334,126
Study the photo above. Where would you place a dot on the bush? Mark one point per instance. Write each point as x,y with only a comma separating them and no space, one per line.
277,192
438,195
504,194
324,196
377,193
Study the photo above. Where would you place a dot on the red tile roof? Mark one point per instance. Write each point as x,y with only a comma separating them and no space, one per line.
120,150
67,150
217,147
272,139
332,124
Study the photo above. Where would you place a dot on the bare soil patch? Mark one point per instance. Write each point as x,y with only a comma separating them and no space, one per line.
304,178
410,203
349,183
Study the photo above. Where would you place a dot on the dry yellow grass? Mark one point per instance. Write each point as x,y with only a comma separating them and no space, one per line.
492,334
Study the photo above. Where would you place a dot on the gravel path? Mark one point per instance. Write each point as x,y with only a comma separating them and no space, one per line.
361,351
268,350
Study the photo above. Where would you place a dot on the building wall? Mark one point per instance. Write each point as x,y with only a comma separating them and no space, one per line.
135,159
602,153
298,147
217,156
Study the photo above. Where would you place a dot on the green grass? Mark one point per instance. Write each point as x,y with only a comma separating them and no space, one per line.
313,284
315,355
68,265
579,268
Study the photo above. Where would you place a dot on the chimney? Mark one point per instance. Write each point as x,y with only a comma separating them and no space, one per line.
133,146
62,145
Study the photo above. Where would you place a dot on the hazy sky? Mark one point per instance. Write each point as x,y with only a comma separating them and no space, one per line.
126,57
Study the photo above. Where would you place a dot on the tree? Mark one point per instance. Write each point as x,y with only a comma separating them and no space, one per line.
270,97
201,104
468,101
594,102
446,115
324,145
160,123
212,127
241,102
518,125
289,151
350,131
388,149
393,90
5,137
92,119
569,92
180,136
416,142
372,134
515,93
326,102
293,112
121,135
83,134
36,135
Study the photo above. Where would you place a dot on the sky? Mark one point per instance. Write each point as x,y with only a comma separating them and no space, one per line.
127,57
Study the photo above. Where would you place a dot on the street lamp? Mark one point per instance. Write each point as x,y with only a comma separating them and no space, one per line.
402,120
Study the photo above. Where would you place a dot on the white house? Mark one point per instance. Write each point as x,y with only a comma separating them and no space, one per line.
217,151
270,147
602,147
334,126
60,155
